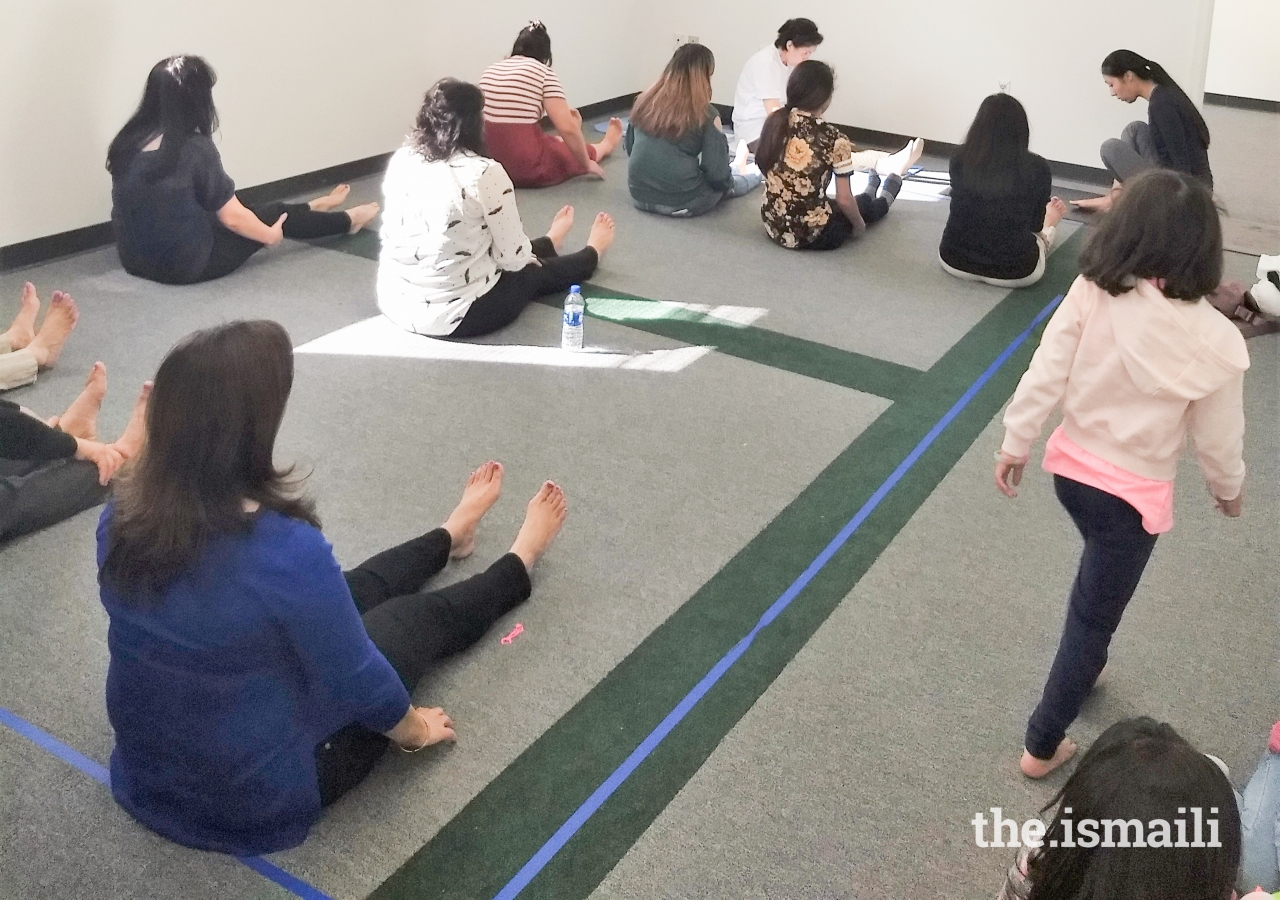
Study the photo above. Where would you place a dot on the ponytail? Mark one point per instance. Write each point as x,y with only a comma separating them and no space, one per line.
1118,62
773,137
809,88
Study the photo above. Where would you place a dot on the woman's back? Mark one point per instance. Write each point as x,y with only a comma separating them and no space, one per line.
515,88
435,240
676,172
164,216
220,688
993,232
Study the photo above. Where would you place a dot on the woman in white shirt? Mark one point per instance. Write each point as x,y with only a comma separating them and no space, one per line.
455,260
762,86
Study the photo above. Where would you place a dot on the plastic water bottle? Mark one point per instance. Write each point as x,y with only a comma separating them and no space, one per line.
571,332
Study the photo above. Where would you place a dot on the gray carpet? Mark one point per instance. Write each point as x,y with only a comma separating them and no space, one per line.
668,476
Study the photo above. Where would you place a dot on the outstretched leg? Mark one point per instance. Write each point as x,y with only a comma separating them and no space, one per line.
406,568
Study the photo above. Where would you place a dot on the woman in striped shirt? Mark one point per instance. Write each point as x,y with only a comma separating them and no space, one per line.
518,91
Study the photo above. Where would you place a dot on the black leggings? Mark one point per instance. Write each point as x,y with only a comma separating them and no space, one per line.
873,204
513,291
231,251
414,629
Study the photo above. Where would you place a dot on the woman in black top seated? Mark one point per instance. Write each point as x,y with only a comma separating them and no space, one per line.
1003,212
1174,137
174,210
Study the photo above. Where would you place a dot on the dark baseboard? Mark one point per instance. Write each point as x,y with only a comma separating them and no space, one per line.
1242,102
28,253
39,250
604,107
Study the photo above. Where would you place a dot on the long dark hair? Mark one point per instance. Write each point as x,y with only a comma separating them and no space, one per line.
533,42
995,151
451,119
677,102
1120,61
809,88
1139,769
800,32
211,430
177,102
1164,225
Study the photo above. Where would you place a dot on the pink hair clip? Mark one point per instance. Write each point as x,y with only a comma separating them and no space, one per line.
515,633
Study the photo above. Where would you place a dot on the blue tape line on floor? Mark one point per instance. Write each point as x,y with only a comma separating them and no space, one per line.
597,799
99,773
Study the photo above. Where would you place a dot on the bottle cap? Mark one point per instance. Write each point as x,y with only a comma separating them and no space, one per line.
575,289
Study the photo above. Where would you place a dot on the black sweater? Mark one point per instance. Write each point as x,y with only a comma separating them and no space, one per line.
994,236
1176,133
26,438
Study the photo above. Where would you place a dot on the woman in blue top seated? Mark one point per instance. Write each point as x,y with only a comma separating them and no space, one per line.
679,156
252,681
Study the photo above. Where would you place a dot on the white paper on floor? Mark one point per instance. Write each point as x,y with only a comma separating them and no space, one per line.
379,336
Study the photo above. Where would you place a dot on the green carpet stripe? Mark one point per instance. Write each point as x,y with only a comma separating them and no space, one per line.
478,851
759,345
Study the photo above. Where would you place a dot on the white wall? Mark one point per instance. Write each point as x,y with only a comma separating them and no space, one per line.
302,84
1244,49
922,68
305,84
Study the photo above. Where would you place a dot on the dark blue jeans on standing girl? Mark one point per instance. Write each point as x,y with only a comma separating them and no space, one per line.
1116,550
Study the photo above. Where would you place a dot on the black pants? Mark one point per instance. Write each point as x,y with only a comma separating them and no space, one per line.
1116,550
513,291
35,495
414,629
231,251
873,205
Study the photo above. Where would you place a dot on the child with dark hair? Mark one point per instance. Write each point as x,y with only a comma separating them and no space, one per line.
455,261
518,92
799,154
1003,212
1139,360
1175,136
174,209
1137,771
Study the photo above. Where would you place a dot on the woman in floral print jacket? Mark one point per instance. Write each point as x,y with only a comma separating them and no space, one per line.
800,153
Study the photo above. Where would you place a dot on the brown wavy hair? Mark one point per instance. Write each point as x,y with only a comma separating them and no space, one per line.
677,102
212,420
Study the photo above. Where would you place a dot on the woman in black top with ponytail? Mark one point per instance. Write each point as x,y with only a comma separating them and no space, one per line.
1174,137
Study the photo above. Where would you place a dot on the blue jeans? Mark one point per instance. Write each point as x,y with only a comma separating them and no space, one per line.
1116,550
742,185
1259,812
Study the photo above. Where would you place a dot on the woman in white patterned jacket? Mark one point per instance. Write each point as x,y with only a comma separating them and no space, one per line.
455,260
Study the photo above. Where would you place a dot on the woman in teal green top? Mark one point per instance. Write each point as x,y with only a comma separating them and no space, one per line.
679,156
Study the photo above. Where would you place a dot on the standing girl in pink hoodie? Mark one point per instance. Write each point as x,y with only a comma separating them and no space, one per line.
1138,359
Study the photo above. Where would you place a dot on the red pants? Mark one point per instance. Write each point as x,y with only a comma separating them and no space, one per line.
532,157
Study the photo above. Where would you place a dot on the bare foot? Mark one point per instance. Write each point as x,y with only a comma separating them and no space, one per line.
594,168
1039,768
612,137
741,157
23,329
58,322
130,440
482,490
81,418
542,523
1054,212
331,200
1094,204
601,236
361,216
560,226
